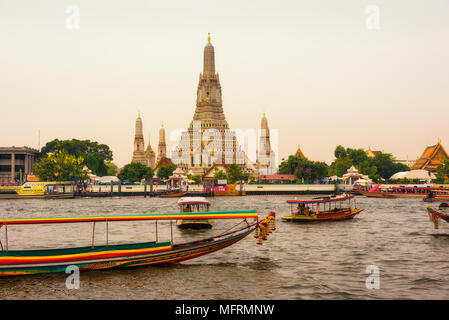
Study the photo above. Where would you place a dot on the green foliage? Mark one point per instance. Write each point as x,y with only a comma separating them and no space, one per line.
135,171
340,152
233,174
220,174
377,168
165,171
195,177
306,170
340,166
111,168
60,166
443,172
94,154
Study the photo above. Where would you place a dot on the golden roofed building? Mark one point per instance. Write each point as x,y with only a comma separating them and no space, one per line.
370,153
299,153
432,157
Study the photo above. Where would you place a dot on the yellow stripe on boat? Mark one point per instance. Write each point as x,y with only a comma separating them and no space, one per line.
154,216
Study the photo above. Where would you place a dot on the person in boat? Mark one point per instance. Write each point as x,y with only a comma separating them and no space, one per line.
306,211
300,209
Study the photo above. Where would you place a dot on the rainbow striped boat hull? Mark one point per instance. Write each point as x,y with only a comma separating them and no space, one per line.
14,263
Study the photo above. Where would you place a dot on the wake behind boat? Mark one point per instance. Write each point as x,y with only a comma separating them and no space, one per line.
25,262
322,209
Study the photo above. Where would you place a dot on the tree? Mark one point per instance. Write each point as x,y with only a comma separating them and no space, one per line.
111,168
94,154
235,174
289,166
340,166
381,166
306,170
443,172
340,152
195,177
135,171
166,171
60,166
385,165
220,174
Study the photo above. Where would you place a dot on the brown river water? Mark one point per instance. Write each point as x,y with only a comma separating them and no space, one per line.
299,261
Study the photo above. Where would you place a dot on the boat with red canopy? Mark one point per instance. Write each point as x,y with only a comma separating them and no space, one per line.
441,196
107,256
332,208
386,191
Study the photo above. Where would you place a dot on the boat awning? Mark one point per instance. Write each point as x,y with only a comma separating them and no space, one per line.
193,200
328,199
151,216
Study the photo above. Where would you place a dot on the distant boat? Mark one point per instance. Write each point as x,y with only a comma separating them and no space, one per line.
322,209
39,190
442,196
176,194
193,204
385,191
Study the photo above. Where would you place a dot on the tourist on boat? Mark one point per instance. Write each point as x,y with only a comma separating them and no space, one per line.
301,208
307,211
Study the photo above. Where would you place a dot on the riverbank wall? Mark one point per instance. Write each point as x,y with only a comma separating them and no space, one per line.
197,190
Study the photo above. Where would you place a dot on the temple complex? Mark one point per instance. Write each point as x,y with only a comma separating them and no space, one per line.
208,139
146,157
432,157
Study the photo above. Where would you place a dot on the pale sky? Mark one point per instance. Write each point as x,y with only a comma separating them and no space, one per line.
318,69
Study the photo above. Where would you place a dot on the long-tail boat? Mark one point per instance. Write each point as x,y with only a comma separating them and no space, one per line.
194,204
323,209
385,191
175,194
25,262
435,215
442,196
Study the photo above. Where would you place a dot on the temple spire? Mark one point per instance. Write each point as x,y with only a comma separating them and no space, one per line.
139,144
209,59
162,147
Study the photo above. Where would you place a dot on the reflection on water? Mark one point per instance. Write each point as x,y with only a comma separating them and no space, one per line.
311,261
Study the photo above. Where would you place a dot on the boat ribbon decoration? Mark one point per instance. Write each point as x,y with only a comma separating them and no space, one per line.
265,227
436,215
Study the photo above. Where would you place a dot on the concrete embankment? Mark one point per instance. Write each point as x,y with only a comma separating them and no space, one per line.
197,190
